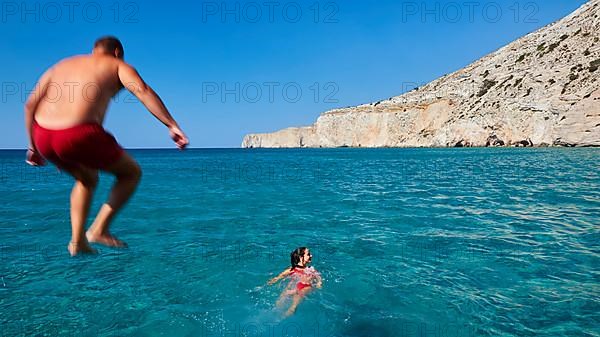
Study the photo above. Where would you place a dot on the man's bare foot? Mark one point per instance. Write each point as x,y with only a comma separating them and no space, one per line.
105,239
80,248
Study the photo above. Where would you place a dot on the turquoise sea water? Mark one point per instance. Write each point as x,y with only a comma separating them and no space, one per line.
410,242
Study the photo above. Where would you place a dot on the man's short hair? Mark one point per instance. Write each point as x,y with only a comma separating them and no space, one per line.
109,44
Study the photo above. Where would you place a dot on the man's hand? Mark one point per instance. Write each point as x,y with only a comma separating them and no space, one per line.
178,137
34,158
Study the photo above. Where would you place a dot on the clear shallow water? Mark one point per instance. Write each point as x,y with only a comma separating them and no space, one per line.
410,242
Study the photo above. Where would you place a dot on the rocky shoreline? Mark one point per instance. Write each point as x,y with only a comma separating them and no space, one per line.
541,90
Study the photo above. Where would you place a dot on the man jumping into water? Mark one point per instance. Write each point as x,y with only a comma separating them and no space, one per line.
63,119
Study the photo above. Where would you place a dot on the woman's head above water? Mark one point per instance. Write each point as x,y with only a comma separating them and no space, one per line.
300,257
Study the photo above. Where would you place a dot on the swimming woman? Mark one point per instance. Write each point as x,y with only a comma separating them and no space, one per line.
302,278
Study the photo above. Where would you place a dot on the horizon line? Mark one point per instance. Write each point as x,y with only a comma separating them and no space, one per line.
145,148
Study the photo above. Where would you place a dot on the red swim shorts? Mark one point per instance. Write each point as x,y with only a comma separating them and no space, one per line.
86,144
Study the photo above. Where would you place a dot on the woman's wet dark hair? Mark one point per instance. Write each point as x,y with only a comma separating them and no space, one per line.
296,255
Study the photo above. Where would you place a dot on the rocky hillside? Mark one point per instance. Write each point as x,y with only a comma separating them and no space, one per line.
541,90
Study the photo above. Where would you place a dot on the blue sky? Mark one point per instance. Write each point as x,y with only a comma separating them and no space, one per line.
227,68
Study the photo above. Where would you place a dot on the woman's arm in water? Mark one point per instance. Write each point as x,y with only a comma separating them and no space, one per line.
279,277
319,280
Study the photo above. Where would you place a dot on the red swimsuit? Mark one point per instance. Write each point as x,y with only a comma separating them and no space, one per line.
300,285
86,144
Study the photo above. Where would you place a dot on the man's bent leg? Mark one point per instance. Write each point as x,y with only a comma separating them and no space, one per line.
128,174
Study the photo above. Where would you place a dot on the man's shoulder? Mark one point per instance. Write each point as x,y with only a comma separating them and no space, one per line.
108,63
122,63
67,62
72,59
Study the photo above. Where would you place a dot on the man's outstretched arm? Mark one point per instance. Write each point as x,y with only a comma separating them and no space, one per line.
133,82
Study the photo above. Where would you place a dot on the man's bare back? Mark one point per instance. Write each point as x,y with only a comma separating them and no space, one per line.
79,90
63,119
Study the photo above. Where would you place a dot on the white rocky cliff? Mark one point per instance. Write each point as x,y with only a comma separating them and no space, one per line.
541,90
